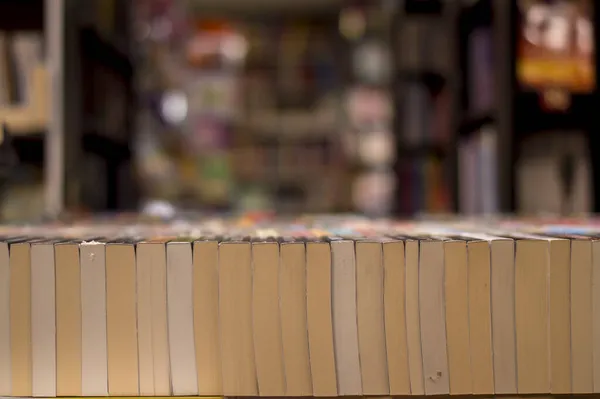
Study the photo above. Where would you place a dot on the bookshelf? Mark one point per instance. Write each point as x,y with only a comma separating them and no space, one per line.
63,116
100,98
262,128
31,33
425,95
484,130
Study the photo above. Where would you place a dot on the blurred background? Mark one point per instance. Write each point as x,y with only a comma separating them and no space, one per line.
396,107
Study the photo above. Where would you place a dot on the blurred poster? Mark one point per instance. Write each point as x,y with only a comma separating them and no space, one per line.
555,47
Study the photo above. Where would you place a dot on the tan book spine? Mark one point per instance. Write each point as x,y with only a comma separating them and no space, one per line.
581,317
20,319
480,318
457,317
143,259
413,324
292,285
596,312
68,320
433,319
319,320
560,316
531,304
370,313
5,325
180,315
160,338
43,320
345,329
235,318
394,303
503,316
94,361
268,347
206,317
123,375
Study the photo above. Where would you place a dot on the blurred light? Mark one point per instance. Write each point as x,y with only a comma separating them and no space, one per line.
174,107
377,148
372,62
234,48
159,209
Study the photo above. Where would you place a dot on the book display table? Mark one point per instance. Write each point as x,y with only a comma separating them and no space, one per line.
316,306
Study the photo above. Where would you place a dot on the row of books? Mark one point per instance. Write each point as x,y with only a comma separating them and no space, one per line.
481,93
425,44
314,306
425,116
425,186
478,172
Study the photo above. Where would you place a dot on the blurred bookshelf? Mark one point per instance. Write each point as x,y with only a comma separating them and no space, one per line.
426,106
52,54
478,187
261,109
24,105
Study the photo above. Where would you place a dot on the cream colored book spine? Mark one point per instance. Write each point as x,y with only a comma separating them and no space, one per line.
160,336
503,315
143,272
184,377
394,302
94,361
345,330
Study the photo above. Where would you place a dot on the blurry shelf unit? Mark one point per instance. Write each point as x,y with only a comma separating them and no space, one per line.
477,132
29,60
103,105
425,94
285,143
32,117
23,18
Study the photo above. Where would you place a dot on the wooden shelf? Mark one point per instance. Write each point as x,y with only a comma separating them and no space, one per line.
33,117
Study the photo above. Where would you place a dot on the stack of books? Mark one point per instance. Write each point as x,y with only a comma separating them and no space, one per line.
313,306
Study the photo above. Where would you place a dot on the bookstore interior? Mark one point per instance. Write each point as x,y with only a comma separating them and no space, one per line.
315,198
384,108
